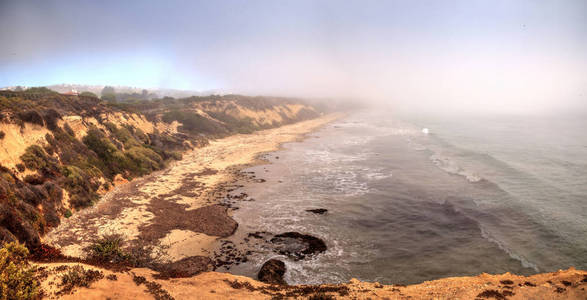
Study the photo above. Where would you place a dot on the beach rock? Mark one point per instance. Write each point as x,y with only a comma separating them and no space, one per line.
297,245
272,272
186,267
319,211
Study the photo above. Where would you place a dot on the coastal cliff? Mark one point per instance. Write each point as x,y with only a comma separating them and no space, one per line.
144,284
59,153
132,200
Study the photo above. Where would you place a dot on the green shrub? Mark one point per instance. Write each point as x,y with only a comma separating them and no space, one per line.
35,158
245,125
141,136
144,160
110,159
40,90
77,276
31,116
81,185
124,135
67,213
17,277
97,142
74,175
51,117
108,249
193,122
16,103
88,94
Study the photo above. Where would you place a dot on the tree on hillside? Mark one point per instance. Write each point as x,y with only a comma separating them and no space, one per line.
39,90
88,94
108,93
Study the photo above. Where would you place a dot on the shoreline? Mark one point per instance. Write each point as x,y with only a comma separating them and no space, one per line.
149,209
214,185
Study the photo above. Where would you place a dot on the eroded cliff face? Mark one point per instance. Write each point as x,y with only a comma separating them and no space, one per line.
59,153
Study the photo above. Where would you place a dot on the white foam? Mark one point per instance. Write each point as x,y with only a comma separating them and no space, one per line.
525,263
452,167
377,174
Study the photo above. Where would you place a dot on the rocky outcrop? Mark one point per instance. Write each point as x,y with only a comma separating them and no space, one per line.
272,272
318,211
296,245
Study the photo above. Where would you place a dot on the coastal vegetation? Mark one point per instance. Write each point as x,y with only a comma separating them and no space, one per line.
77,276
70,149
108,249
17,276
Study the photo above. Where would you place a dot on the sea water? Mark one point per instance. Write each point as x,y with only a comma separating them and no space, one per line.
487,194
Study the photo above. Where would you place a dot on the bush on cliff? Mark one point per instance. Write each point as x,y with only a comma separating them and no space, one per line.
144,160
138,159
245,125
35,158
31,116
110,160
193,122
80,185
39,90
88,94
108,250
17,280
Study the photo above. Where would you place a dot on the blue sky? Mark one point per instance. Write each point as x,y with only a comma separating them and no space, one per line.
498,54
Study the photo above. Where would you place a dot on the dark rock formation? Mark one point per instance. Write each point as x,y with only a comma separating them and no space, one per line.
272,272
297,245
319,211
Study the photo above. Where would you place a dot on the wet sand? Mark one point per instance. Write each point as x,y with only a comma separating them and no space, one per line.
176,212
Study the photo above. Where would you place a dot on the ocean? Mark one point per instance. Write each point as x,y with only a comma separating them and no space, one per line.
479,194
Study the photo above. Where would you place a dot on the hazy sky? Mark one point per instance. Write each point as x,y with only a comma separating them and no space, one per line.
509,55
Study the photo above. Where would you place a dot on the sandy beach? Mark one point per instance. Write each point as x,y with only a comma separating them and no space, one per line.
176,212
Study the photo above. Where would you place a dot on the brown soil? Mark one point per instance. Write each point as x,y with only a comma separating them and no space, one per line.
144,284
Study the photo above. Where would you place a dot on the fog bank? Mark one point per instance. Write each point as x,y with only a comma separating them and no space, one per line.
453,56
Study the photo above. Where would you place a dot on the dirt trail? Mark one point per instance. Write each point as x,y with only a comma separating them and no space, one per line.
177,208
